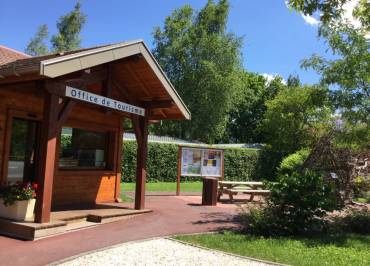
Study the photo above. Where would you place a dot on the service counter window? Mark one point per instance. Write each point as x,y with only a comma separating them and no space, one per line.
83,149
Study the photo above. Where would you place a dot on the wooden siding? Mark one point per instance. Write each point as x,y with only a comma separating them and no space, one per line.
70,187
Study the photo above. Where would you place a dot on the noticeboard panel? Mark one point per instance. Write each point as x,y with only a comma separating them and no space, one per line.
201,162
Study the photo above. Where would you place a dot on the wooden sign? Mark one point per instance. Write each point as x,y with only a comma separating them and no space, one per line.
103,101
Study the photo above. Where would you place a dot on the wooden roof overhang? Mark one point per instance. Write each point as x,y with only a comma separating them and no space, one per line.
126,72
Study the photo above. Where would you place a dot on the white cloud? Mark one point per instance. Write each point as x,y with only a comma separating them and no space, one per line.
348,13
310,20
270,77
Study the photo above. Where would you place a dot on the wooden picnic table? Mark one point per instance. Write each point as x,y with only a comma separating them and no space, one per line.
246,187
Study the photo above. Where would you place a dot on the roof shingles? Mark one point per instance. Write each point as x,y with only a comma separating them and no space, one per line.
8,55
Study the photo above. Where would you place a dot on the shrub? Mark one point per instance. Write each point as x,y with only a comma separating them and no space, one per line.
300,200
361,188
357,221
293,162
297,204
240,164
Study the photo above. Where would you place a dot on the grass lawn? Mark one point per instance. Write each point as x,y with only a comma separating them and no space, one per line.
165,187
160,187
345,250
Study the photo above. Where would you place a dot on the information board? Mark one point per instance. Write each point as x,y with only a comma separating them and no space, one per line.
201,162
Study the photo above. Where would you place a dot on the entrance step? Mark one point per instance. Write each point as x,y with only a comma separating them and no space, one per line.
31,231
66,221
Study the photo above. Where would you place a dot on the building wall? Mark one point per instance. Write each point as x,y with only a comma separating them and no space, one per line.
70,186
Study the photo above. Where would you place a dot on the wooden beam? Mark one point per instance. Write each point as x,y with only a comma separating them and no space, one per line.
141,132
119,163
107,87
160,104
65,111
87,78
134,75
47,155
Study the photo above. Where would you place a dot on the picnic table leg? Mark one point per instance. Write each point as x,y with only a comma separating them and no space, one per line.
220,193
251,197
231,196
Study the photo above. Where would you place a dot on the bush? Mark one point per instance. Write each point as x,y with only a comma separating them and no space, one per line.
357,221
297,204
293,162
361,189
240,164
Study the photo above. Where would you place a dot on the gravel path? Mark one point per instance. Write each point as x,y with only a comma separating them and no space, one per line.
159,252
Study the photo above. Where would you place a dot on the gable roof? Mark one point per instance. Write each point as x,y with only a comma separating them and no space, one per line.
8,55
59,64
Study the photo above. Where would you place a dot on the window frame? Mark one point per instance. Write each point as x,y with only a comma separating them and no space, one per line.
109,154
10,115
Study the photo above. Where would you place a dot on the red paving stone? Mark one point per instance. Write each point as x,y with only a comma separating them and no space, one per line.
171,215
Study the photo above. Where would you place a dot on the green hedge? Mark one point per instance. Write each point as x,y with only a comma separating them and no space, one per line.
240,164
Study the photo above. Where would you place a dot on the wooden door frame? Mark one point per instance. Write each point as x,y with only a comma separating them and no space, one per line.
11,114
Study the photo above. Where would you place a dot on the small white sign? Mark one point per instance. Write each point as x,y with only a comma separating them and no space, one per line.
103,101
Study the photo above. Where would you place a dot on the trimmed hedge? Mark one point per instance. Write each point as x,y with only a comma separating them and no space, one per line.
240,164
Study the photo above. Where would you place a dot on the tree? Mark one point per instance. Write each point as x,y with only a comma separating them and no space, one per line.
69,27
203,62
37,45
331,10
249,107
293,81
294,118
349,71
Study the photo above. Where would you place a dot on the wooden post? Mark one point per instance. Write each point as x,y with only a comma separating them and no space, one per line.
178,171
119,163
141,132
222,165
47,154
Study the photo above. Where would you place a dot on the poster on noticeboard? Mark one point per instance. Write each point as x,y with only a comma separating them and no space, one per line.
201,162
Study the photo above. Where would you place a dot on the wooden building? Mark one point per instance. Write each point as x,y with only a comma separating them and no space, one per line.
61,120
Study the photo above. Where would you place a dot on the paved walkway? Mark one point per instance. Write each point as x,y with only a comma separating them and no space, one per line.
160,252
171,215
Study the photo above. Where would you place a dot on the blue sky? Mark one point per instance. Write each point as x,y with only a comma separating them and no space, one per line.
275,38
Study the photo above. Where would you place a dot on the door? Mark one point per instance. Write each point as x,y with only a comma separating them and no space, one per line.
22,150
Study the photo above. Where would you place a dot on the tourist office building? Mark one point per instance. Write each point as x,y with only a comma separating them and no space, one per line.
62,117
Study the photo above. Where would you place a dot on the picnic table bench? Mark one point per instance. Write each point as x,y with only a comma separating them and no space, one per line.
234,187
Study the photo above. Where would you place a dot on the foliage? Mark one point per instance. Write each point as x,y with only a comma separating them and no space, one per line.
165,186
357,221
349,71
331,10
17,192
297,204
294,118
37,45
361,188
300,200
327,250
249,107
240,164
202,60
69,27
293,162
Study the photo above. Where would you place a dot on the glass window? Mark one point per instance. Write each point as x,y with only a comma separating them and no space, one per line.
81,148
21,162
